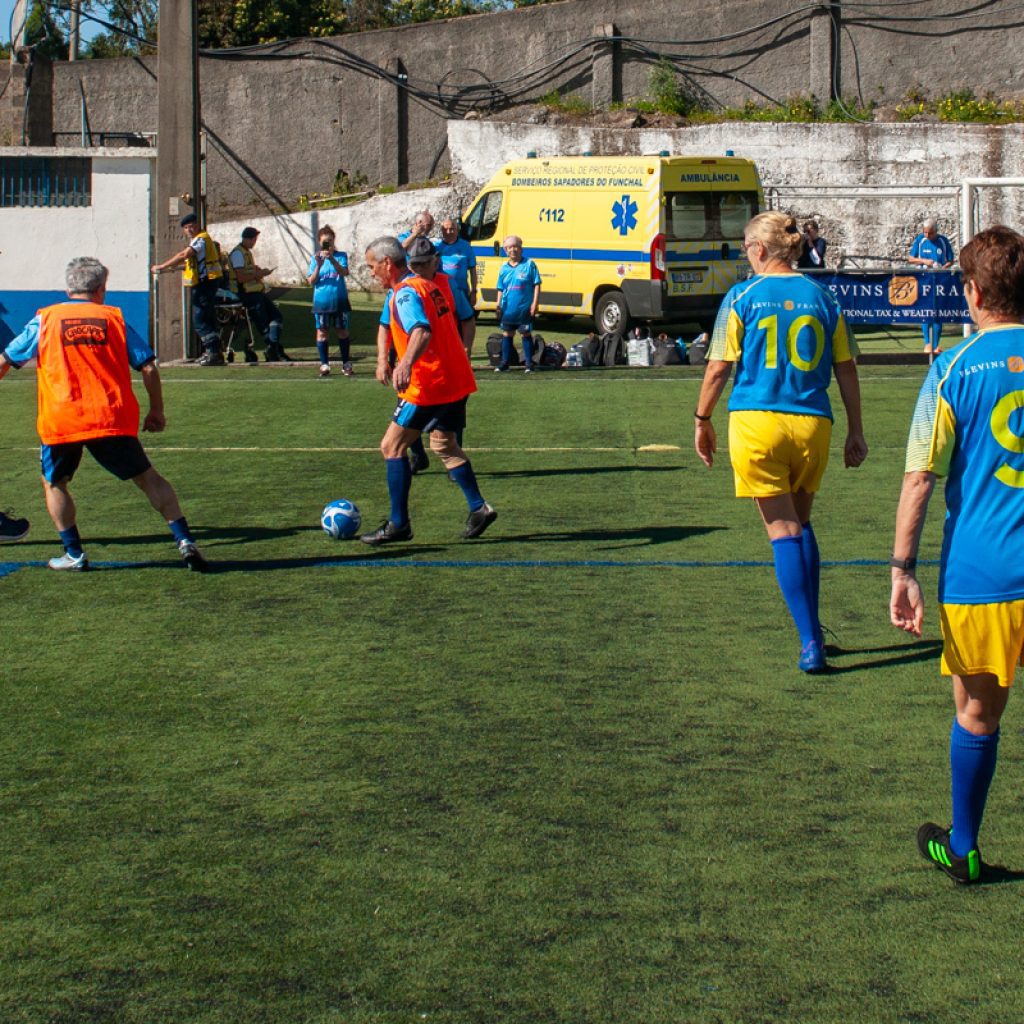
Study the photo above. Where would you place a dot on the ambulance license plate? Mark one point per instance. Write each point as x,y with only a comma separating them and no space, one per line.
687,276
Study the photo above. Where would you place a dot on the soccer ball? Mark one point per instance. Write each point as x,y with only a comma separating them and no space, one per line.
340,519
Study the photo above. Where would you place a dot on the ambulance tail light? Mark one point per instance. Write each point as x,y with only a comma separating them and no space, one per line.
658,258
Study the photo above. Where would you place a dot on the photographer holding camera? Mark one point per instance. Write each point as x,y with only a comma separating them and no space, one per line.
327,272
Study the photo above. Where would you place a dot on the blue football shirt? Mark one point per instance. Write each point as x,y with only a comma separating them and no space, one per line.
968,426
940,251
784,332
516,285
330,292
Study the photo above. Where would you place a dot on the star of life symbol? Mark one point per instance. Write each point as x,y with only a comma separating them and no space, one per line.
625,215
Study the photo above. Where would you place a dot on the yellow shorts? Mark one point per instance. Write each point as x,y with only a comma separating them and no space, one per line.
983,638
777,452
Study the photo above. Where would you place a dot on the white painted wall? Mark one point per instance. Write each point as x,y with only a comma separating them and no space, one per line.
286,243
39,241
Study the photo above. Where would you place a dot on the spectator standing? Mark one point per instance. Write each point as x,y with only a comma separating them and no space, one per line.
253,294
458,264
422,227
331,308
202,273
935,252
518,298
813,255
966,428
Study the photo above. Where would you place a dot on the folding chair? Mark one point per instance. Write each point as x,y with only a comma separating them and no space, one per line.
231,315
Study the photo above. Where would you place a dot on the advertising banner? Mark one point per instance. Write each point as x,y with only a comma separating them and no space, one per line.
903,298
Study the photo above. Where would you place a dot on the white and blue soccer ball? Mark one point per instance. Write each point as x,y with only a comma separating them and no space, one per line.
341,519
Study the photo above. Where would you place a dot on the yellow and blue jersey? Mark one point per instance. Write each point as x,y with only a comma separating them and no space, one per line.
968,426
784,332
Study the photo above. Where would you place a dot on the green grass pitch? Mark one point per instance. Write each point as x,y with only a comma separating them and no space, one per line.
565,773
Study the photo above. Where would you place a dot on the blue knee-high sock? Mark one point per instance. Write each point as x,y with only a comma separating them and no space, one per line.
345,346
466,479
972,761
72,541
399,482
506,349
795,585
528,349
812,564
417,448
323,352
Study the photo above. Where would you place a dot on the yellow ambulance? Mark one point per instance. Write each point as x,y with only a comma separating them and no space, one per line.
619,238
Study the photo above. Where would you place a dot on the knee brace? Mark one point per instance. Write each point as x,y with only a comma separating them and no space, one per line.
446,448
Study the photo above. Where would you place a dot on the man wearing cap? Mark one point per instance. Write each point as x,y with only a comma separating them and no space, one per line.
432,376
202,274
263,312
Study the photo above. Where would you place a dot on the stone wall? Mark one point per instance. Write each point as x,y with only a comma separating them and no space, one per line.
284,120
869,186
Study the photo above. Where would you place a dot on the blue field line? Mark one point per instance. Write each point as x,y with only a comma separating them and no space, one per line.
7,568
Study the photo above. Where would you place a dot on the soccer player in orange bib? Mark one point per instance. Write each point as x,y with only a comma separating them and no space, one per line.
86,353
433,378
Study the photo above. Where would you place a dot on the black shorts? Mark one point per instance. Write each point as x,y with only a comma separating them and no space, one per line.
122,456
449,417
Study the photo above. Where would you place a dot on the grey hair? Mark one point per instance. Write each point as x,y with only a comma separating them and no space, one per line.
425,213
929,223
387,247
85,275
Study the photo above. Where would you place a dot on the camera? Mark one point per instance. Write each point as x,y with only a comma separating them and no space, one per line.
327,245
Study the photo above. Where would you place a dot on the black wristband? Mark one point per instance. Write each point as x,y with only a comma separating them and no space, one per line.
906,564
703,419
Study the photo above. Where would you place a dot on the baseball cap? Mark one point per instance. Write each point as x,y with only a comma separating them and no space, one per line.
421,250
250,233
189,218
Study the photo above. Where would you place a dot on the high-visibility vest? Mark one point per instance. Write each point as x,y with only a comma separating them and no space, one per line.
255,284
84,378
211,270
443,372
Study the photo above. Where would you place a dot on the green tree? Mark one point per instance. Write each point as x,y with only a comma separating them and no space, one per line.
134,28
226,23
43,32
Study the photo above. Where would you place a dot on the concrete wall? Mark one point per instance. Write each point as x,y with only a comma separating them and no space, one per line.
868,185
286,119
39,240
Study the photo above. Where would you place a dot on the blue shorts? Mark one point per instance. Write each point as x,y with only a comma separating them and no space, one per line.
522,328
447,418
325,320
122,456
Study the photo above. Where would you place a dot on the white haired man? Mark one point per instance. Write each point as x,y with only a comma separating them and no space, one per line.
86,353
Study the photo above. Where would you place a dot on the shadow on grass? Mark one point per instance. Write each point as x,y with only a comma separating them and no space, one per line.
362,553
213,535
576,471
899,654
647,534
996,874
